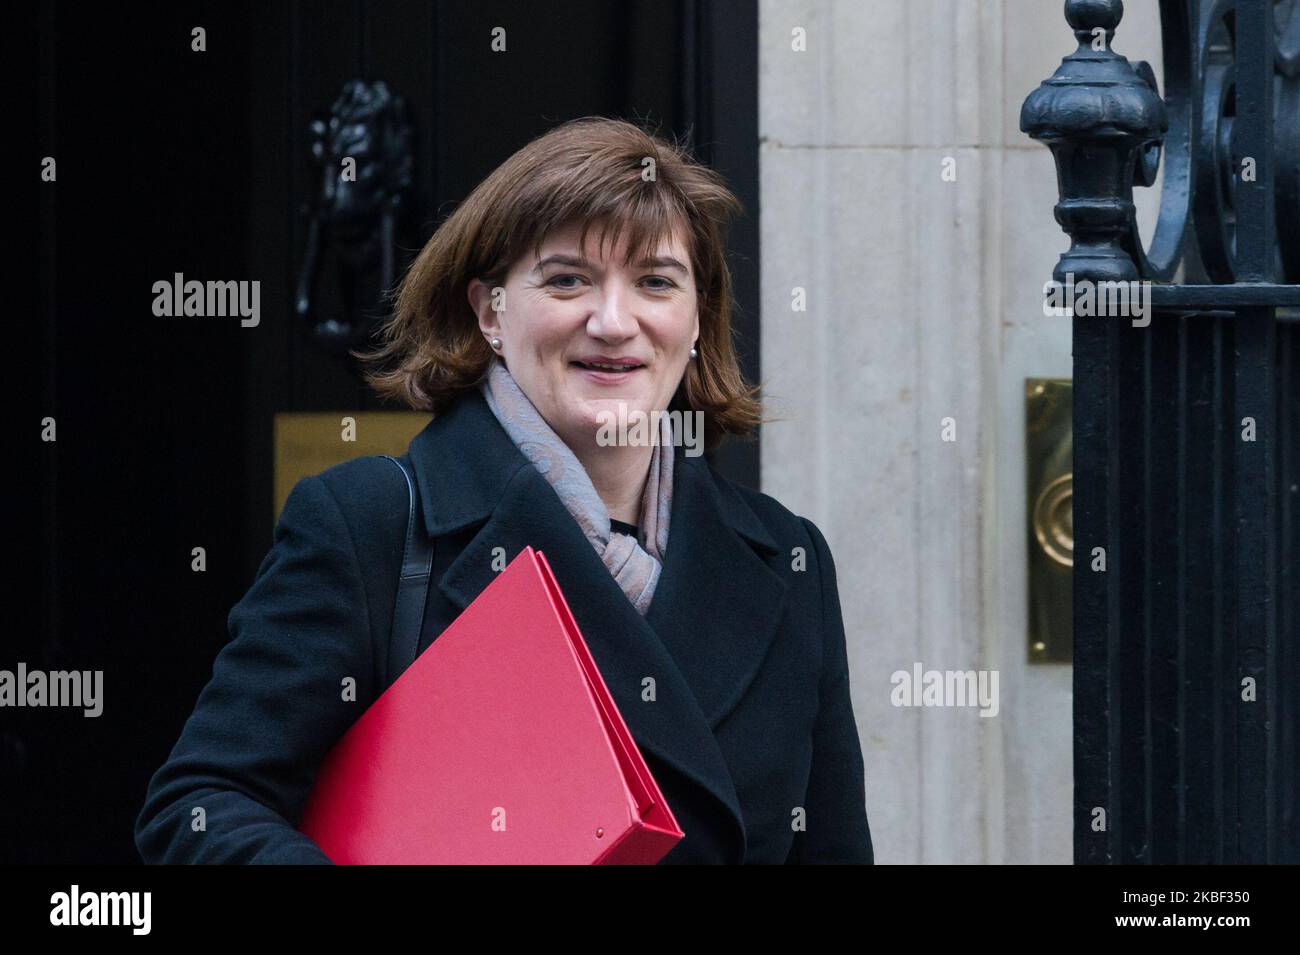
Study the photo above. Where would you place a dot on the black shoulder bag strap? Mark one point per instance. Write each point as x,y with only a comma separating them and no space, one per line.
412,588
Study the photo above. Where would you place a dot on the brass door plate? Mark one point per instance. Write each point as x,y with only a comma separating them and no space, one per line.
307,443
1049,517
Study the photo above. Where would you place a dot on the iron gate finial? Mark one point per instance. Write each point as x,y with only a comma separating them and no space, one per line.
1097,113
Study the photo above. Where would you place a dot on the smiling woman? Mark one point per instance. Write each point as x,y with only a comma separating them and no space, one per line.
723,650
669,215
636,322
615,343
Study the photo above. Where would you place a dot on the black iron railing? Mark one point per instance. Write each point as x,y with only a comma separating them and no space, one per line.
1186,467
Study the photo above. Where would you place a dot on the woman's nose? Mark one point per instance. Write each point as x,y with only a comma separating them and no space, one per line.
612,318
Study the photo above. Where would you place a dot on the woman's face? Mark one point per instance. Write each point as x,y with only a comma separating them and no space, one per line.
568,309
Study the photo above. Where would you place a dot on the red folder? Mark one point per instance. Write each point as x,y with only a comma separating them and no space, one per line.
500,744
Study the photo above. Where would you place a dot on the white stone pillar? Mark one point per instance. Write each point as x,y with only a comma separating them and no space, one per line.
924,303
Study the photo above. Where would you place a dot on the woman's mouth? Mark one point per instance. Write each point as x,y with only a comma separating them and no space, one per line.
607,371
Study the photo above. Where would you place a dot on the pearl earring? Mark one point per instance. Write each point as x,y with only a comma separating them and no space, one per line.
694,353
496,343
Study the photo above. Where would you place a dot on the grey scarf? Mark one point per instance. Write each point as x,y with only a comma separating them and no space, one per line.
636,565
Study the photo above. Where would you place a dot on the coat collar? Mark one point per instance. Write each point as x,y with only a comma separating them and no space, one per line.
715,610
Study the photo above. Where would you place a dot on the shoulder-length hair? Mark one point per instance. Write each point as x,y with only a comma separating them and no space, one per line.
594,171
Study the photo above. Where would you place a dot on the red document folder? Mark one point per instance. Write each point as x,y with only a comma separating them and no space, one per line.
500,744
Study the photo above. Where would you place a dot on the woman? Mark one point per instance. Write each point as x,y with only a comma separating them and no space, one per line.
711,610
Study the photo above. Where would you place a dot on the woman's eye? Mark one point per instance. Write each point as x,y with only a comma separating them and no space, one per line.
558,278
555,281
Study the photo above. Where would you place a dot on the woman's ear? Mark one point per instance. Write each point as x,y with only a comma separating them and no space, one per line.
479,294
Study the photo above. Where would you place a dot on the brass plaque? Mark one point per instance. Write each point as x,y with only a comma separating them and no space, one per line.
307,443
1049,517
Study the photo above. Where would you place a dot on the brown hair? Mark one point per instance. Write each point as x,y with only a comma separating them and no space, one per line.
588,171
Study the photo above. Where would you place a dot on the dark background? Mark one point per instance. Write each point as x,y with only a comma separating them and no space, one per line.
175,161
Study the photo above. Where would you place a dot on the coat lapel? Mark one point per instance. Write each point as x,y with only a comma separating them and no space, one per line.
715,610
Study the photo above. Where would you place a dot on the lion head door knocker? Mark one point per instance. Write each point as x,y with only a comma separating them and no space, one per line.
363,152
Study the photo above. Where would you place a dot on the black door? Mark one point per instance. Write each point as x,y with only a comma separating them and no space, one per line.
171,159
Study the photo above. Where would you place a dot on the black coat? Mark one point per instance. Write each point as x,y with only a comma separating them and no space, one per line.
751,720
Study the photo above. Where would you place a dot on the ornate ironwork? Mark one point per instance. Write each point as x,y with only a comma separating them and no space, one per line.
357,210
1099,115
1186,497
1108,130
